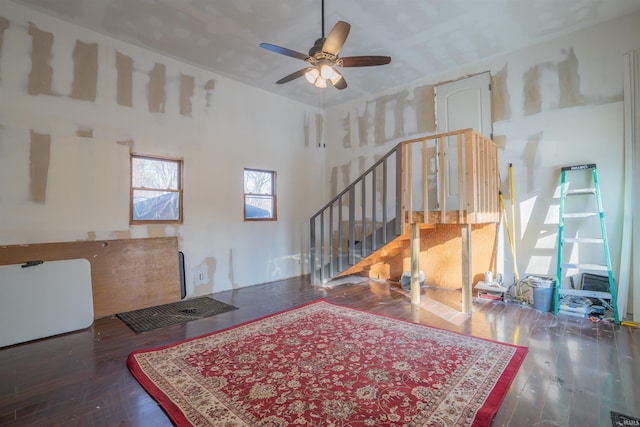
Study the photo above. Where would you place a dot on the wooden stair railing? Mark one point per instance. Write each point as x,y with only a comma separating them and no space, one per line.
415,182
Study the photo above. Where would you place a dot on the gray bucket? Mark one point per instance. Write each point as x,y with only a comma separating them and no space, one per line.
543,298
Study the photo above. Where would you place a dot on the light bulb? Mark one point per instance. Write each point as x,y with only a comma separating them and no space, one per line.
312,75
326,71
335,78
321,83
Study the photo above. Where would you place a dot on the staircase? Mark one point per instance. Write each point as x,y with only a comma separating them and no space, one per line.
448,178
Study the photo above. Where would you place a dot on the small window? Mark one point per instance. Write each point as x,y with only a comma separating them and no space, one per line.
156,190
260,195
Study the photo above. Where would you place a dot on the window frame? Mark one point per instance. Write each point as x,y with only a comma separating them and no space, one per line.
273,195
179,190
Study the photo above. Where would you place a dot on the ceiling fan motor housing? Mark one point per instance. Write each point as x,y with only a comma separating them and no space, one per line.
317,47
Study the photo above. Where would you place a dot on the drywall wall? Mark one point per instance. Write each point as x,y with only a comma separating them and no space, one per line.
74,104
554,104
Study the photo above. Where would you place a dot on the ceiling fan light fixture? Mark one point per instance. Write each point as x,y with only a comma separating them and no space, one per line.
335,78
312,75
320,83
323,62
327,72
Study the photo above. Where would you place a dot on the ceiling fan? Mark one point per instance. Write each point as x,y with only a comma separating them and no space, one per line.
323,58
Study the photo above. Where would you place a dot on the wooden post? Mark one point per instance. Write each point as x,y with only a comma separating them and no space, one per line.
471,172
460,181
400,189
443,180
415,263
410,182
467,291
425,183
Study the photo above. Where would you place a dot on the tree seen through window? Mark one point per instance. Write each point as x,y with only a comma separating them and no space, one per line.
259,195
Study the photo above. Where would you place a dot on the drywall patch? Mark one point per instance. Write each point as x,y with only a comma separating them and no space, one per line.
425,107
155,230
208,268
529,159
121,234
319,128
85,71
39,156
346,126
126,143
91,236
333,180
500,140
531,87
306,125
386,118
208,88
4,24
363,164
346,178
500,102
363,126
186,92
124,68
232,280
41,72
569,94
550,85
156,94
84,132
389,113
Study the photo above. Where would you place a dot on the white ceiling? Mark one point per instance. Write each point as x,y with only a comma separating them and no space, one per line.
423,37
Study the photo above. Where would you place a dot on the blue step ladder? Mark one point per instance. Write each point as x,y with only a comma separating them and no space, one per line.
608,299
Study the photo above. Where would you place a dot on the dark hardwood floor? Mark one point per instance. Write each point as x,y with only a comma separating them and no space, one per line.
576,371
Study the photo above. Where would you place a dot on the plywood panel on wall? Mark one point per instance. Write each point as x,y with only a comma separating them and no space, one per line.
126,274
441,255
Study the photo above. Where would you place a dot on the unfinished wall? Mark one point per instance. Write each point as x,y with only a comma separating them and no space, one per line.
554,104
74,104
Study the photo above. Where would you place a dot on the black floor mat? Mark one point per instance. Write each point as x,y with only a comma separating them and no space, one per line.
148,319
620,420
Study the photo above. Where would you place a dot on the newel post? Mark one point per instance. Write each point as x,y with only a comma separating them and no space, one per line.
415,263
467,284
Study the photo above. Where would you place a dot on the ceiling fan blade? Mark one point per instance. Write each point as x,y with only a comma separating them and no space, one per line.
340,84
293,76
336,38
364,61
284,51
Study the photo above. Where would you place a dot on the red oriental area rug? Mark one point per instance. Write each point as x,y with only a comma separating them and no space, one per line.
322,364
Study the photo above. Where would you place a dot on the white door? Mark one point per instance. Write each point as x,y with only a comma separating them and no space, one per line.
462,104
